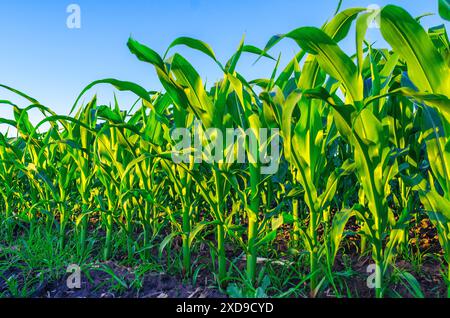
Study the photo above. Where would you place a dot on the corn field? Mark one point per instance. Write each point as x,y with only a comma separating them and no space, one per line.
363,166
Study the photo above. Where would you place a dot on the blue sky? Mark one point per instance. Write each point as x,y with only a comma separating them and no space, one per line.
45,59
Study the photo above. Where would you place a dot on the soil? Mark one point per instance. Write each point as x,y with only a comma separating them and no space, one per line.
429,278
98,283
110,280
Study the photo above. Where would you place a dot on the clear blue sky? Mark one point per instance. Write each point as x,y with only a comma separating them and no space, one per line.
42,57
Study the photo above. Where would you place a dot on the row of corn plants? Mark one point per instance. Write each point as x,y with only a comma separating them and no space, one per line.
362,137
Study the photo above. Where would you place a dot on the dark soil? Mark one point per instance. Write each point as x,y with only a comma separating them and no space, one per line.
110,280
429,278
98,283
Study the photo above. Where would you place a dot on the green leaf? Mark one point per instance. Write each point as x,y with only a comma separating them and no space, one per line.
234,291
269,237
426,66
197,230
362,24
436,206
339,26
438,35
166,241
287,123
196,45
327,196
119,85
444,9
337,229
107,113
145,54
30,99
331,58
199,100
412,284
255,50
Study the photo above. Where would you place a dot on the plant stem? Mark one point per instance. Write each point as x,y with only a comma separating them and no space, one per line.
312,256
253,222
62,227
108,243
185,237
83,229
252,255
220,228
8,221
448,277
221,253
146,241
295,216
129,239
378,280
